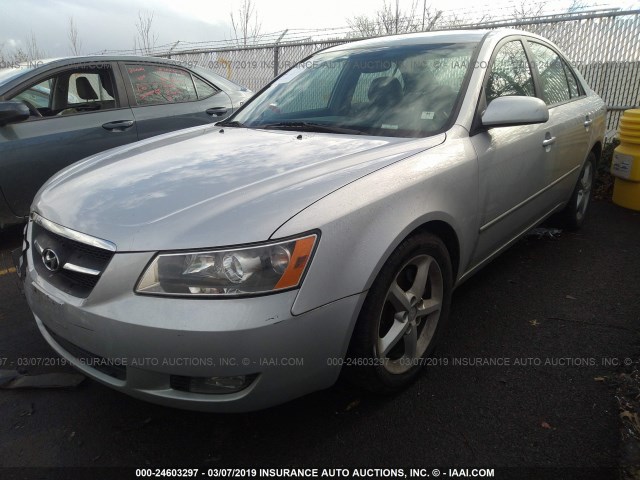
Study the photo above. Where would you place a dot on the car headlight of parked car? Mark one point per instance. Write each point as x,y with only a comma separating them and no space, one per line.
254,270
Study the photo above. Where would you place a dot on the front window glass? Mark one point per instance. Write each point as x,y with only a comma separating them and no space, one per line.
88,88
70,92
510,73
38,95
404,91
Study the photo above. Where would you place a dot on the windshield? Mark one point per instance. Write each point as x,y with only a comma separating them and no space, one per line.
404,91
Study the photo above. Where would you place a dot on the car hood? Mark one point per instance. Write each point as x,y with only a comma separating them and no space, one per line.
207,186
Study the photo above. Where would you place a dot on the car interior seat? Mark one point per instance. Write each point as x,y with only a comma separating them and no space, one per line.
384,93
85,90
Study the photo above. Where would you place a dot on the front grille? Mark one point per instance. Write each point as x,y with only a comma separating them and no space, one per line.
113,368
69,253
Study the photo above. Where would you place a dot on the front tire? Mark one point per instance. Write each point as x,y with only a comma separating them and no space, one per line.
402,316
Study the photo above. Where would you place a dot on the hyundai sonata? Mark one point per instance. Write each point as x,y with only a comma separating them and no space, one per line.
321,229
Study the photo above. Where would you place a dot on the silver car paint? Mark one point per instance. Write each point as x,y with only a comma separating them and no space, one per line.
116,324
364,201
149,198
518,110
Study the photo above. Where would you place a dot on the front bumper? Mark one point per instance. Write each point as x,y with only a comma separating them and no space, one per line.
153,338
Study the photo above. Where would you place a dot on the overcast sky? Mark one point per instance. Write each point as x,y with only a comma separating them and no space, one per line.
110,25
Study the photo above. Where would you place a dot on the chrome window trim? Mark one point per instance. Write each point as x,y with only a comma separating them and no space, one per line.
76,268
72,234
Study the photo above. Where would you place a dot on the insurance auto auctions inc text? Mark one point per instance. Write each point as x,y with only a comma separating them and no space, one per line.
371,473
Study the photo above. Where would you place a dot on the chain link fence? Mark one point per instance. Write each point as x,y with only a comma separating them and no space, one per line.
604,47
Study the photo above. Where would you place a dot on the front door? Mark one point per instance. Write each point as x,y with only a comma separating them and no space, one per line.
513,164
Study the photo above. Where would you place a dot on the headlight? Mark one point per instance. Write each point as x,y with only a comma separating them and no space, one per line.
252,270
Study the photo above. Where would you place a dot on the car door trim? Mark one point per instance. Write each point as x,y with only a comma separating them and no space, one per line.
527,200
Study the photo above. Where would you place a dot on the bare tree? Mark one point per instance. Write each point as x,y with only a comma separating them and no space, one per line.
364,26
245,23
18,54
528,9
430,16
33,51
4,60
453,20
393,19
12,58
578,6
146,38
74,41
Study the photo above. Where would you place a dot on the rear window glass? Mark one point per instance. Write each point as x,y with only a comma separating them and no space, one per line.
155,84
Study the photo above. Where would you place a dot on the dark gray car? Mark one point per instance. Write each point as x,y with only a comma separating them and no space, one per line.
55,112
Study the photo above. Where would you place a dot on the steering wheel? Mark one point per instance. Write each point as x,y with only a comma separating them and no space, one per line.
33,111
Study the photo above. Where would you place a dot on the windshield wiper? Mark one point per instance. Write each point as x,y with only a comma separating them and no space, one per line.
232,123
309,127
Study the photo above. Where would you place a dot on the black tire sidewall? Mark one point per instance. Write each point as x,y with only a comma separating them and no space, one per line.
364,367
571,220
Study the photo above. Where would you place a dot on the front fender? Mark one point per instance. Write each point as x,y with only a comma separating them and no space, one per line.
363,222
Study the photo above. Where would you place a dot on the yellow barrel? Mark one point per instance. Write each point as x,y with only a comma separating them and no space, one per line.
625,165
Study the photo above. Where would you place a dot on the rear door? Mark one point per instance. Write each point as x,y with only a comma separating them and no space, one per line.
569,122
166,97
77,111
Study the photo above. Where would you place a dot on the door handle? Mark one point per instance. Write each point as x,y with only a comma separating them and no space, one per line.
548,141
587,122
118,125
217,111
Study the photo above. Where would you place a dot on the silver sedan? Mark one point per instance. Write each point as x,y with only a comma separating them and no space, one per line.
320,230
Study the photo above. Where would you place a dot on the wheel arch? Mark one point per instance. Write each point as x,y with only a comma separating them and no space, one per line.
447,234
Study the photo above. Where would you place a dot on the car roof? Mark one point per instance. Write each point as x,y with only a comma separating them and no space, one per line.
100,58
408,39
27,69
440,36
36,65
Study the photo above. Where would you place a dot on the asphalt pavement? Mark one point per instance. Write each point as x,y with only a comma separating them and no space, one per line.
517,382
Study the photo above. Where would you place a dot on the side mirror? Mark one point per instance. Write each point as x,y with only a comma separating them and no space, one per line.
13,112
509,111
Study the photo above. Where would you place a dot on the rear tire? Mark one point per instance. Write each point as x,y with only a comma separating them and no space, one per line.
575,212
402,316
